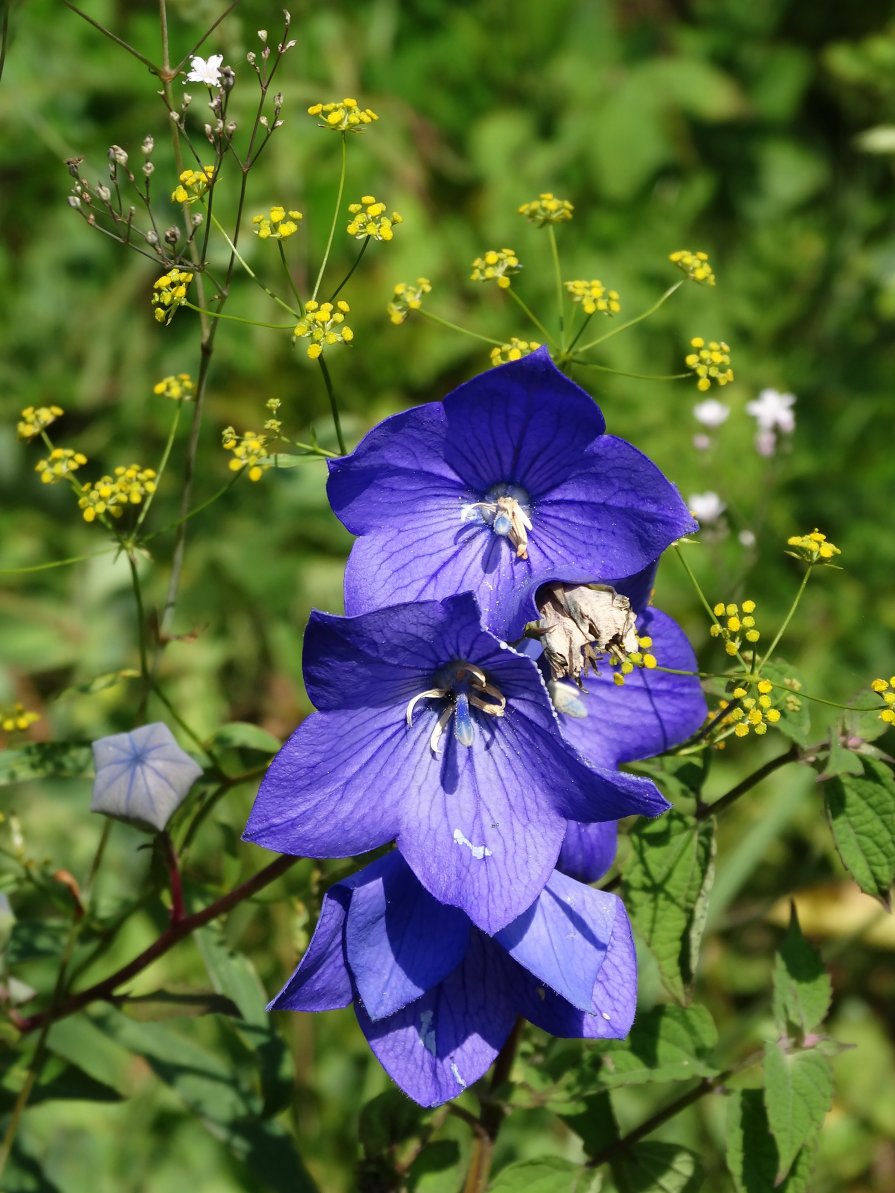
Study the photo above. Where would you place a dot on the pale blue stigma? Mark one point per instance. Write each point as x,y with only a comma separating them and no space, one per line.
566,699
502,525
464,729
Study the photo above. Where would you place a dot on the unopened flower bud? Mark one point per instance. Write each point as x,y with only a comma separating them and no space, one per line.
148,145
228,78
262,35
196,219
74,165
230,127
172,235
117,155
148,168
278,100
250,57
263,121
103,191
74,201
151,237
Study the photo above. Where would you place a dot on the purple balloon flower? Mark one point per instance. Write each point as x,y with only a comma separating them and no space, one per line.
433,732
437,998
510,480
142,776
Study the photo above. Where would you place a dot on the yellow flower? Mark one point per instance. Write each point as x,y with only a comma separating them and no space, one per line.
36,419
514,350
180,387
324,325
193,185
344,117
128,485
369,219
408,297
61,462
547,209
249,451
496,265
16,717
695,265
276,224
594,297
886,689
710,362
734,625
812,548
169,292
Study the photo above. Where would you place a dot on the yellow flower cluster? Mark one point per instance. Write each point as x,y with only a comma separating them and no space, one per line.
193,185
626,663
249,451
886,689
35,419
514,350
368,218
61,462
169,292
695,265
812,548
17,717
408,297
750,709
324,324
110,494
710,362
497,265
344,117
735,623
594,297
179,387
547,209
276,224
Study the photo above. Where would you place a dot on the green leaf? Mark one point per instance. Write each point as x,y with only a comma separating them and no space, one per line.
795,718
242,735
679,777
46,760
549,1175
59,1082
798,1093
666,886
802,989
24,1173
665,1044
657,1168
861,812
388,1119
840,760
752,1155
595,1125
862,723
99,683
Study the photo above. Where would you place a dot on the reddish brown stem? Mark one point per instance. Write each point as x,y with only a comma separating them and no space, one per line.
178,908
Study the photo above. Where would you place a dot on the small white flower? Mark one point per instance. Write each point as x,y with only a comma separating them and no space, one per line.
142,776
773,411
711,412
205,70
765,443
706,507
747,538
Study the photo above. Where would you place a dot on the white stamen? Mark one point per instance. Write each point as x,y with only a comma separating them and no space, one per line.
430,694
477,851
435,736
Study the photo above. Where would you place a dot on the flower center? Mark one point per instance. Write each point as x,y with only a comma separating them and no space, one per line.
463,687
506,509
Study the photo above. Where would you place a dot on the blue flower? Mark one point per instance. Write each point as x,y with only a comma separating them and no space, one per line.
510,481
142,776
436,998
433,732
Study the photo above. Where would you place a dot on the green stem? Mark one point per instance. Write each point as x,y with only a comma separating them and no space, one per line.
338,208
194,737
456,327
240,319
288,273
163,463
560,294
242,261
346,278
792,609
313,450
327,381
532,316
197,509
141,623
587,364
723,802
491,1117
637,318
56,563
577,336
708,608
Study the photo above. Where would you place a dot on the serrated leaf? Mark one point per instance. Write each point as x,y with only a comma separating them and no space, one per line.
657,1168
752,1155
665,1044
862,723
840,760
798,1093
666,884
242,735
802,989
549,1175
795,718
861,812
46,760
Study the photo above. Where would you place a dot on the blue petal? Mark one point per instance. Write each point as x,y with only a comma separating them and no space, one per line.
588,850
563,937
439,1045
321,981
142,776
399,941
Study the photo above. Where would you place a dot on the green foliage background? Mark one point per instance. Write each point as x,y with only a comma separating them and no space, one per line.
727,125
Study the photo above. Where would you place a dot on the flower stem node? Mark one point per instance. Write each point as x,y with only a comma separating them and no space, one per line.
110,494
594,297
507,510
514,350
496,265
179,387
16,718
249,451
710,362
324,324
547,209
60,463
169,292
695,265
344,117
734,625
813,548
278,224
368,218
408,297
35,419
193,185
884,688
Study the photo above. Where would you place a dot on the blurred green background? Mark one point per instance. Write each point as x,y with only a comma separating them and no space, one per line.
734,126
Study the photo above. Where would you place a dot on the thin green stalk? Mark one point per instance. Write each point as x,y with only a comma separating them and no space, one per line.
532,316
333,405
55,563
723,802
313,450
577,336
197,509
560,293
242,261
194,737
240,319
141,621
112,37
637,318
347,277
163,463
288,273
456,327
587,364
338,208
792,609
708,608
